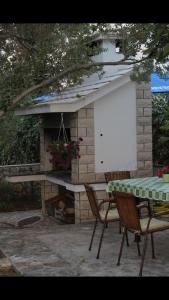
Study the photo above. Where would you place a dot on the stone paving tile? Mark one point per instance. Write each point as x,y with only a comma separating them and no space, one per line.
49,249
14,217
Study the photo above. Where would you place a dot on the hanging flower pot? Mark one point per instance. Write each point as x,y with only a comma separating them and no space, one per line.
62,153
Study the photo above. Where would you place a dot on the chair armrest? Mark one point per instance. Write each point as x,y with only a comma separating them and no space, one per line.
145,205
109,200
161,213
142,205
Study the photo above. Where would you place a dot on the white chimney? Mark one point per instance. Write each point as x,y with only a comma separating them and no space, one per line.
110,44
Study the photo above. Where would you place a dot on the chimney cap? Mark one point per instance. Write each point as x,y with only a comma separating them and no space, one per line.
105,36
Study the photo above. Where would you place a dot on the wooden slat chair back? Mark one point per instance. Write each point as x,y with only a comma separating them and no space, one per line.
115,175
93,202
127,210
104,216
128,213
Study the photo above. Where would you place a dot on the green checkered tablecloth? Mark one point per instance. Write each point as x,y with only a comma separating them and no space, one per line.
148,187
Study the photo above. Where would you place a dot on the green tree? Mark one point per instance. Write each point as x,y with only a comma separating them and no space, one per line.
19,140
160,128
36,58
32,53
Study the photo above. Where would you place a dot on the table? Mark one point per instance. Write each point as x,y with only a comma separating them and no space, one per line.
148,187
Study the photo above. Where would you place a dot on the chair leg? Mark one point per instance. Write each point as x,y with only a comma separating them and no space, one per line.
121,247
127,239
101,238
143,255
137,240
119,227
138,248
94,229
152,245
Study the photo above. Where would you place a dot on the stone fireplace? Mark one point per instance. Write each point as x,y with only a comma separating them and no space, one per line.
81,124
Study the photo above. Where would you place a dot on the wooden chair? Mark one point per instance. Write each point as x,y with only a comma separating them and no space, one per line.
100,215
130,221
116,175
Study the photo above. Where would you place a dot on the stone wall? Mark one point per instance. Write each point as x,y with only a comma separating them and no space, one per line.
23,169
144,130
82,125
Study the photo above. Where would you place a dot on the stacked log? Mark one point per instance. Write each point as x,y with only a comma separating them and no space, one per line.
61,207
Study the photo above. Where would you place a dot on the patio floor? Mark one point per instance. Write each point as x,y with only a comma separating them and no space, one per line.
50,249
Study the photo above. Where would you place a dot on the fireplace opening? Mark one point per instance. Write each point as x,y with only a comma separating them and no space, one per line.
53,134
62,206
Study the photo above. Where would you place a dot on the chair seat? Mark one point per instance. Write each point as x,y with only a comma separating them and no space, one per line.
155,225
112,214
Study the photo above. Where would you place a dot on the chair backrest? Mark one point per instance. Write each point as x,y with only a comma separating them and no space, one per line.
127,210
115,175
92,200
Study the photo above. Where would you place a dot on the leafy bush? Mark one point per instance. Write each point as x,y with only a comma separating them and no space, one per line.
7,191
160,124
20,196
19,140
7,194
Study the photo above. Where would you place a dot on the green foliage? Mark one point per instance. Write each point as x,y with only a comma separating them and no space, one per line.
6,191
161,129
19,140
151,41
19,196
31,53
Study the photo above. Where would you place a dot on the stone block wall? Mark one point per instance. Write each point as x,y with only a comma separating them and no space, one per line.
82,125
144,130
16,170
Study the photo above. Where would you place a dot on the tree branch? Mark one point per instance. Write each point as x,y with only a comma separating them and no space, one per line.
75,68
25,43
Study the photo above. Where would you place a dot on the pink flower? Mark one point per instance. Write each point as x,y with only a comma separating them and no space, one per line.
159,173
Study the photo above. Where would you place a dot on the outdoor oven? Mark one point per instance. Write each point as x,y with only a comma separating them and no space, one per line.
77,125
